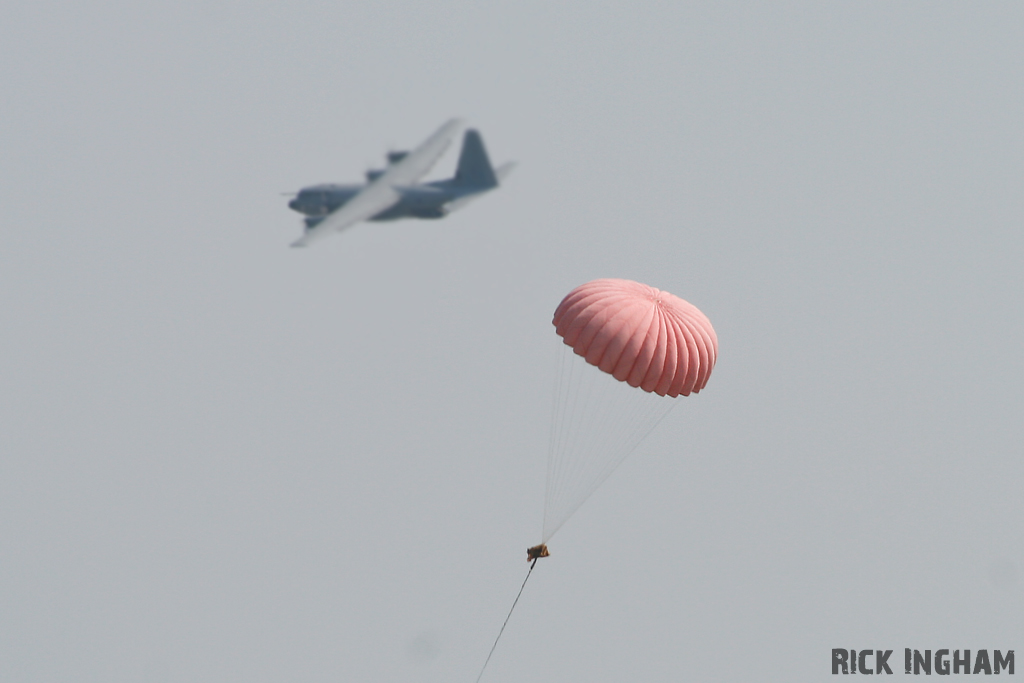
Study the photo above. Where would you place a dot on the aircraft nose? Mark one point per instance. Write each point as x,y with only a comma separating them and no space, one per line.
294,204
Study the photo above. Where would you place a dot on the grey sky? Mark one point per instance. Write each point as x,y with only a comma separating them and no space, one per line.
225,460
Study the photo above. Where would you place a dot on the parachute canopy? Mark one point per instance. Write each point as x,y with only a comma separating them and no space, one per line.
640,335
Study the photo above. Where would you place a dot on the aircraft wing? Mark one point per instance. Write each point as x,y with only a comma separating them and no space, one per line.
416,164
381,195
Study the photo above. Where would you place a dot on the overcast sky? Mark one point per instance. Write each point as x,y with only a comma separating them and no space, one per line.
222,459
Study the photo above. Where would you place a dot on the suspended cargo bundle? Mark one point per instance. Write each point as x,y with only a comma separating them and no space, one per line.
647,347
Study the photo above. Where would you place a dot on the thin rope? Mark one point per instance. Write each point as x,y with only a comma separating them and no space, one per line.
598,423
506,620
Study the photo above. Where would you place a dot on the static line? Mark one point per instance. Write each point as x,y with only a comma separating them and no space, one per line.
482,669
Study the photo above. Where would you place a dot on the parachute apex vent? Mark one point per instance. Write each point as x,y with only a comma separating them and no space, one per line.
536,552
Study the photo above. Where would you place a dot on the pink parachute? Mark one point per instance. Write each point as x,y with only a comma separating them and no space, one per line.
639,335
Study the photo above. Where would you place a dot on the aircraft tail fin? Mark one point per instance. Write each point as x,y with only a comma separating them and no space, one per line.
475,168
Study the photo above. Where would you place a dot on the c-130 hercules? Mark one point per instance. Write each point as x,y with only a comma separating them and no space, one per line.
393,193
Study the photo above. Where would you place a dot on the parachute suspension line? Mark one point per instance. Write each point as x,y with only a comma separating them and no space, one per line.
566,415
558,405
586,401
597,422
583,398
514,603
633,424
564,455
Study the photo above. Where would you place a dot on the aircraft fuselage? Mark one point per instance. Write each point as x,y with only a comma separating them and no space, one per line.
428,200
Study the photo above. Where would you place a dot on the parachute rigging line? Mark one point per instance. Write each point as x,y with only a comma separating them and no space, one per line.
514,602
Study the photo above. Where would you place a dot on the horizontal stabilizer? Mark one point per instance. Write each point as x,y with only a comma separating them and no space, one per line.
504,170
500,173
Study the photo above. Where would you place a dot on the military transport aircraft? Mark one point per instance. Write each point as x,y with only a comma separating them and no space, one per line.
393,193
